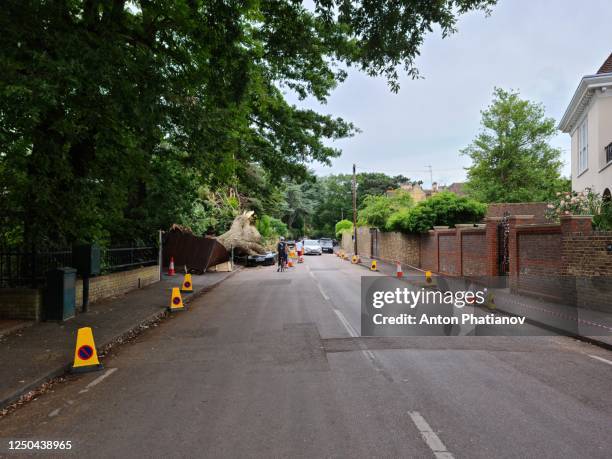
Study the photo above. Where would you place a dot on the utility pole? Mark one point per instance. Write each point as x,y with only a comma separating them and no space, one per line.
430,176
355,207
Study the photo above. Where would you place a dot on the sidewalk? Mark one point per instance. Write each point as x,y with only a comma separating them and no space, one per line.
45,350
590,325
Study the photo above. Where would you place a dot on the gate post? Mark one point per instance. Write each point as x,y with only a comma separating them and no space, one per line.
492,245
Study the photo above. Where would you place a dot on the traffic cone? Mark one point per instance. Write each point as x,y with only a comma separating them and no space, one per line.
373,266
290,263
187,286
171,267
428,277
176,302
398,270
355,259
85,354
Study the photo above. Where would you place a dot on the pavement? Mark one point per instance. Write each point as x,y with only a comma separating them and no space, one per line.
272,365
587,324
33,355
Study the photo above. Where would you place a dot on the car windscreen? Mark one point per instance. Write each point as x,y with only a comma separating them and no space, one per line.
326,243
311,242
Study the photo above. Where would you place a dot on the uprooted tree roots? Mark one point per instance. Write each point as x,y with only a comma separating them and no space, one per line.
243,236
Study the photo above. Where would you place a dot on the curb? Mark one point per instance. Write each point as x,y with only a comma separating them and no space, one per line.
108,344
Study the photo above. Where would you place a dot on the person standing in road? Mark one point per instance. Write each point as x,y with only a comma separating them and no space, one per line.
299,246
281,248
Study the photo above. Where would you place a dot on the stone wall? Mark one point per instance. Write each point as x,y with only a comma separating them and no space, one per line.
20,303
405,248
26,304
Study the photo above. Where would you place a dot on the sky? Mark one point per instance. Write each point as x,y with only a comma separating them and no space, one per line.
541,48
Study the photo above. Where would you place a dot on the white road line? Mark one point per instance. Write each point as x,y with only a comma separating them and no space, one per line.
316,281
98,380
430,437
55,412
349,328
600,359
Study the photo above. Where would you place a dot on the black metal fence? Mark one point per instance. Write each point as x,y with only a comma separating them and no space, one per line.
21,268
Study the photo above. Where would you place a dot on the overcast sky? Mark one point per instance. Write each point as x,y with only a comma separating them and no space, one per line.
540,47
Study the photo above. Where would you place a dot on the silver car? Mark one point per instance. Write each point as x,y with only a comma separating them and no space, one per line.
312,247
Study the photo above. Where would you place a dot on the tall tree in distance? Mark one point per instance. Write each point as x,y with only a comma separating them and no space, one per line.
512,160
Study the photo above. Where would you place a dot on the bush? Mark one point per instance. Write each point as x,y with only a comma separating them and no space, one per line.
270,227
585,202
343,226
376,210
441,209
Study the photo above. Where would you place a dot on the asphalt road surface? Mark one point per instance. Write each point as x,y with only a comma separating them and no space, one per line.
270,365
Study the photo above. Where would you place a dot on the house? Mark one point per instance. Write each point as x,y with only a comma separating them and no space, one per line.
419,193
588,119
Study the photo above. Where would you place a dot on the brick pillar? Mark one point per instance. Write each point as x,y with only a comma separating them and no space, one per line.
492,245
576,224
513,252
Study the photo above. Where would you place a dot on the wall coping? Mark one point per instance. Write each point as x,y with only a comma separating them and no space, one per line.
539,227
516,217
576,217
440,227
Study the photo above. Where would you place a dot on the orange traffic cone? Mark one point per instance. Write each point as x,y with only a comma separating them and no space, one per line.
171,267
290,263
398,270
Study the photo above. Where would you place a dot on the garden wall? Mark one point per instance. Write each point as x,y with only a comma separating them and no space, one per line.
27,304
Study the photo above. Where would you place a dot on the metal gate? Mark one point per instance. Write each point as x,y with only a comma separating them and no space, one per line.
503,253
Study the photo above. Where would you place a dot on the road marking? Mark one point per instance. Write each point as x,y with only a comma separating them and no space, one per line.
55,412
98,380
316,281
430,437
349,328
600,359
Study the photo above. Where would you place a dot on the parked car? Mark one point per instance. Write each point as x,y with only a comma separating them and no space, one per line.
327,245
312,247
264,259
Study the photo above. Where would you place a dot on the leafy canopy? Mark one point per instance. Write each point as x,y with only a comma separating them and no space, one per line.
444,209
511,158
114,113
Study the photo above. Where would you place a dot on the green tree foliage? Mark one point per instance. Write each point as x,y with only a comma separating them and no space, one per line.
115,113
511,158
443,208
376,210
343,226
334,197
270,227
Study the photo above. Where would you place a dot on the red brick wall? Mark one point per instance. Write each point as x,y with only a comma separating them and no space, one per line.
474,260
448,253
429,252
586,257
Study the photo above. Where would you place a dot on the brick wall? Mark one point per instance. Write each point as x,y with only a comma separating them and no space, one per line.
26,304
429,251
535,209
395,246
538,252
114,284
20,303
474,260
448,255
587,257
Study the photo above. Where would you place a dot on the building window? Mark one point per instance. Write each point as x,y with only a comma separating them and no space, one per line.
609,153
583,146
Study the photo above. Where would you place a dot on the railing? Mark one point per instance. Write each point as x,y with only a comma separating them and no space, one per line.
20,268
121,259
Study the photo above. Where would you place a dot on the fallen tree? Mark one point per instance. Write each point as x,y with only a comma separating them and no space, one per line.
242,236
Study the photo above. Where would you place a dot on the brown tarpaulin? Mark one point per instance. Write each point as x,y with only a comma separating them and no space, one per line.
198,253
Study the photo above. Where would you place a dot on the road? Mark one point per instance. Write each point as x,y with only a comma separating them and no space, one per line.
268,365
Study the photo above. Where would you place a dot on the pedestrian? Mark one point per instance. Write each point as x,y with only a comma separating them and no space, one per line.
299,246
281,249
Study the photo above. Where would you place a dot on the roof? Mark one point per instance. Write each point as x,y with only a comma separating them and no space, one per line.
606,66
584,93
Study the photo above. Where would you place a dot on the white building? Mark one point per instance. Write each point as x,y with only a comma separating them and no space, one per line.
588,119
